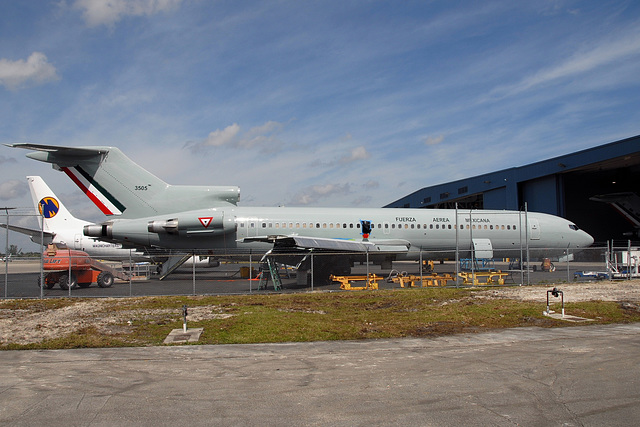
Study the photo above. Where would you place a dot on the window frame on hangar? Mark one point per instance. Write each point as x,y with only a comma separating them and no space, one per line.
559,186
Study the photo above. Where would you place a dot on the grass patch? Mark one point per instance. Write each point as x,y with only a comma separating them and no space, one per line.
234,319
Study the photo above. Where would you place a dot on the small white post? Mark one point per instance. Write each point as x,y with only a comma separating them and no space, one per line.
184,319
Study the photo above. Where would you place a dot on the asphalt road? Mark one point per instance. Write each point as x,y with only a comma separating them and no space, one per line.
577,376
21,282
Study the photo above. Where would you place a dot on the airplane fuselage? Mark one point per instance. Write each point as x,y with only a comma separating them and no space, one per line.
425,230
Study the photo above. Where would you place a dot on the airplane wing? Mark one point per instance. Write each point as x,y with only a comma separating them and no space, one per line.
337,245
31,232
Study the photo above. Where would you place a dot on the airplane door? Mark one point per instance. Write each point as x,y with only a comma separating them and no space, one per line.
534,229
386,228
252,227
483,248
77,242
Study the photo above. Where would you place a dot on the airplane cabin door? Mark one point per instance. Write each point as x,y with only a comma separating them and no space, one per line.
534,229
252,227
483,248
77,242
386,228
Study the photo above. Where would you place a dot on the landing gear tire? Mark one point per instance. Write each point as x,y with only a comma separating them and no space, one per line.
65,283
105,279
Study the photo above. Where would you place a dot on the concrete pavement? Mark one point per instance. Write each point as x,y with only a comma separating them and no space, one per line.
574,376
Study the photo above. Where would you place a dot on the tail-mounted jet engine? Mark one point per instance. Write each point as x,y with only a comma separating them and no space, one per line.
151,231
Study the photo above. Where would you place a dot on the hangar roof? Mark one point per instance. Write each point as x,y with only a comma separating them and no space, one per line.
620,154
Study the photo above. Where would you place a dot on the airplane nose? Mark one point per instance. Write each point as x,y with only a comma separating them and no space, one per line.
587,240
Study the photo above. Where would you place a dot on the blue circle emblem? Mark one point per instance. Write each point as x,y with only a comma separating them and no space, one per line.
48,207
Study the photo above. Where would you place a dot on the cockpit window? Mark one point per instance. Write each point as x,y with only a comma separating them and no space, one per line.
573,227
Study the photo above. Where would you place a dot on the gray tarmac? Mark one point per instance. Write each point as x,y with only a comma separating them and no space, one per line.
574,376
21,282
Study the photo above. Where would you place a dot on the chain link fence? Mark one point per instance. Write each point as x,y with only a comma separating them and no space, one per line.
67,272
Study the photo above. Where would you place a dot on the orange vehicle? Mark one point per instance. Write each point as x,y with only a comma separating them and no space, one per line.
84,269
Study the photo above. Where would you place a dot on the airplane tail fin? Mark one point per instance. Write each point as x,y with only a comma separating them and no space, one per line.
119,186
55,215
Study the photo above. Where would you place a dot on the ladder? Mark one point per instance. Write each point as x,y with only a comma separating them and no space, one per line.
268,269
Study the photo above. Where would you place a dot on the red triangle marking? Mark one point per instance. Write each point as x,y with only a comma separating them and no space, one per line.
206,221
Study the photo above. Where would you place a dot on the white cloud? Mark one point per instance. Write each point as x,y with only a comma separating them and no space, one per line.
108,12
12,188
4,159
605,53
35,70
313,194
219,137
263,137
357,153
434,140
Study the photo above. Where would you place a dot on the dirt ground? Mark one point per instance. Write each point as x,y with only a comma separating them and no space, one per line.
24,326
626,290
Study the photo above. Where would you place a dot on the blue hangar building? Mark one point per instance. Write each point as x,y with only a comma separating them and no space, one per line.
597,188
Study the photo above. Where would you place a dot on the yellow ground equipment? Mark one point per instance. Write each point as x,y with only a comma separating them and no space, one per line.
428,266
371,282
411,281
483,278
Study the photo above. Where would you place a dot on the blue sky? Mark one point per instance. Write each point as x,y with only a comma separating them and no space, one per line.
313,103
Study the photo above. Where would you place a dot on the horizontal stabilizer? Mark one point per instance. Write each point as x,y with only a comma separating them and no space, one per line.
67,151
31,232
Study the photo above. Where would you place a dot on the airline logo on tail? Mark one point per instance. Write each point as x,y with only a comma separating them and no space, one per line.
48,207
108,204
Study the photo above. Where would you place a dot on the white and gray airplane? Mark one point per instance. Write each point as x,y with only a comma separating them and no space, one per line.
60,227
147,211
